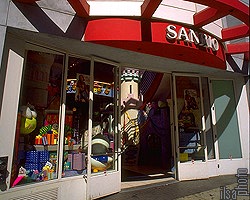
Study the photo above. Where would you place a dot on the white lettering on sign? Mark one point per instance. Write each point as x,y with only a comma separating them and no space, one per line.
201,39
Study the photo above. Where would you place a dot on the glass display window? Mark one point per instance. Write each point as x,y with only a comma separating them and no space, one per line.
104,118
76,117
53,120
37,131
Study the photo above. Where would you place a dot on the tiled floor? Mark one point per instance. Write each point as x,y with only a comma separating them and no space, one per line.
182,190
144,176
145,183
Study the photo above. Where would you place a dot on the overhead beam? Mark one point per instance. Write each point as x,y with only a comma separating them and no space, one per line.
235,32
149,7
207,16
81,7
246,56
27,1
238,48
234,7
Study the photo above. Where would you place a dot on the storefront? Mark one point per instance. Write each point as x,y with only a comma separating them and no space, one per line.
69,98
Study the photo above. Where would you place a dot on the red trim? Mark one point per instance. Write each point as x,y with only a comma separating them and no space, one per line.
81,7
207,16
169,51
149,7
27,1
246,56
235,7
127,34
238,48
235,32
113,29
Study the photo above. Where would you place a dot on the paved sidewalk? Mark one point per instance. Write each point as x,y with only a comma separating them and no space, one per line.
185,190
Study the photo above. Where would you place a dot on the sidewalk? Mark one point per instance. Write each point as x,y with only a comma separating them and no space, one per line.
185,190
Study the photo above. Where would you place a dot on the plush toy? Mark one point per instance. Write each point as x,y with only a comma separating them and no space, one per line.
28,119
100,144
100,161
47,171
98,164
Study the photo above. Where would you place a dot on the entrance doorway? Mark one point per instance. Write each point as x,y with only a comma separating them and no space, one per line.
147,141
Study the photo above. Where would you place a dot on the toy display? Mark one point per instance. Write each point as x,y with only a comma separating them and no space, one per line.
32,173
102,88
71,86
100,161
38,149
48,135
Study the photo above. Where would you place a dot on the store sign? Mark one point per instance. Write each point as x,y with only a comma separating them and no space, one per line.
191,36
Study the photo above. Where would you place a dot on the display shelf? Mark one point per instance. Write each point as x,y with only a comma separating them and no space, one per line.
189,142
54,147
57,111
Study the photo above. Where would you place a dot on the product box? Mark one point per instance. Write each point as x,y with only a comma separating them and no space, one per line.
79,161
183,157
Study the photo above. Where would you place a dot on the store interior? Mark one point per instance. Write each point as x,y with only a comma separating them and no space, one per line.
150,157
149,153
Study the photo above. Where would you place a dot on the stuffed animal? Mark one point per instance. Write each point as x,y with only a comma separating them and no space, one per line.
100,161
28,119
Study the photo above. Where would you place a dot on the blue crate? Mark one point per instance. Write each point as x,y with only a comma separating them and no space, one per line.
43,156
32,156
31,166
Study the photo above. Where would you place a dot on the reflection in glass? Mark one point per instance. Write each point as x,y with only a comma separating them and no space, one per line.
227,127
35,151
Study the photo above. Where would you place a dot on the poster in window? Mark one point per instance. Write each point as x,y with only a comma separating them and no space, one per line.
190,97
82,88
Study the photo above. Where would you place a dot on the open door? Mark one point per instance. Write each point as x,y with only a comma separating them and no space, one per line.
104,176
90,150
193,131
